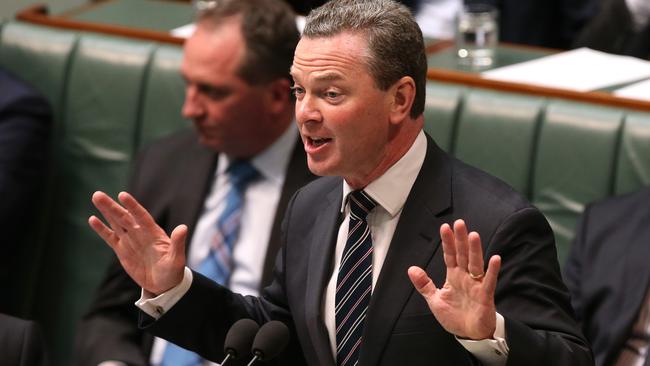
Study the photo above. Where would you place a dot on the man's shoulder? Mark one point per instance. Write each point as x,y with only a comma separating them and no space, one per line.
18,94
619,208
485,189
180,147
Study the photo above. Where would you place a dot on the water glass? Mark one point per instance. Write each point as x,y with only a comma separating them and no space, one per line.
477,35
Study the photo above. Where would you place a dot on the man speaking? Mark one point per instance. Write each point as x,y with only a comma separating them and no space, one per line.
389,220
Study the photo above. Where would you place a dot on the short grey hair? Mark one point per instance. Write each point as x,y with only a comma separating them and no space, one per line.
269,30
394,39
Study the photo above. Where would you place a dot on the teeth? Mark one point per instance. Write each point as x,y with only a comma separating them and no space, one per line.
318,141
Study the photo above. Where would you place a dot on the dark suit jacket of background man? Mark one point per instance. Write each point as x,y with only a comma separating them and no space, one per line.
546,23
25,126
608,272
172,179
21,343
612,30
400,329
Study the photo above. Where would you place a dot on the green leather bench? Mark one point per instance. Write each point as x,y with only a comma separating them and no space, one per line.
112,95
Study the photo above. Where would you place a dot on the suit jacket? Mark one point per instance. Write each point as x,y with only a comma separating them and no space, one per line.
546,23
21,343
171,179
25,125
607,271
612,30
400,328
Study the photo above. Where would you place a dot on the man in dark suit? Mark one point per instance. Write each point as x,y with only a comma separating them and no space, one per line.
608,275
353,240
25,126
620,27
236,67
21,342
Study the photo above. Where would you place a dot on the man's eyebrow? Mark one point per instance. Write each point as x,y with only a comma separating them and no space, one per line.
327,76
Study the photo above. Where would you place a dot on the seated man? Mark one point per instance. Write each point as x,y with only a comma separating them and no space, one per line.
608,275
21,342
229,179
25,126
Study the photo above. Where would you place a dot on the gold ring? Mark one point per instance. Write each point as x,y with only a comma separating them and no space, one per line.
476,277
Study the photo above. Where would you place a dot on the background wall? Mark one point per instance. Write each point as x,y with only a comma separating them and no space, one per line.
8,8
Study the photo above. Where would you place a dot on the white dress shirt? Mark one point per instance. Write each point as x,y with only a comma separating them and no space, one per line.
635,350
437,18
640,12
390,191
258,214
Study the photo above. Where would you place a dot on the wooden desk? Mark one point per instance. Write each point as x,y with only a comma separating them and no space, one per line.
145,19
443,67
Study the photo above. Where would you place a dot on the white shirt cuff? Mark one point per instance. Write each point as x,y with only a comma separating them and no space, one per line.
159,305
490,352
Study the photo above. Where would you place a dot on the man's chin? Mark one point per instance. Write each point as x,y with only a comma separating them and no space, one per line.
321,168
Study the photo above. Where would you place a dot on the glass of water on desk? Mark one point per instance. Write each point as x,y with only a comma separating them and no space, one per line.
477,35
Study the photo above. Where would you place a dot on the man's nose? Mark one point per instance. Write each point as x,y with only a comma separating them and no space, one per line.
192,106
307,110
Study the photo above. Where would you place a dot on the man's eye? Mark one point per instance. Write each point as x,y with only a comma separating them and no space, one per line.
332,94
297,91
213,93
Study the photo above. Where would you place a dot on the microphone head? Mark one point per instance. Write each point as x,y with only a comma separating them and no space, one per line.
272,338
240,338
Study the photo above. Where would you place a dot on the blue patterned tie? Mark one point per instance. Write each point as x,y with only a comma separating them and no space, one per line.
354,281
218,264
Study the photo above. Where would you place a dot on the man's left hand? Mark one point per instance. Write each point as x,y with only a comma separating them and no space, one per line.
464,305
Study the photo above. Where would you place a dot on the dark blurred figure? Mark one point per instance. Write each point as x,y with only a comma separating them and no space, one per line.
621,27
608,274
303,7
25,122
545,23
21,343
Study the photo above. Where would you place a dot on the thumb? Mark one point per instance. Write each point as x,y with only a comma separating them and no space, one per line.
178,238
422,282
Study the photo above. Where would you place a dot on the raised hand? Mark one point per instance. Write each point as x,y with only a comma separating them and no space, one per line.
154,260
464,306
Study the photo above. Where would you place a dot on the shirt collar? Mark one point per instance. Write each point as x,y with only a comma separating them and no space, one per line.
272,162
392,188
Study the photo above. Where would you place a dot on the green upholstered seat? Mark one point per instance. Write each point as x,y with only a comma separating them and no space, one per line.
163,95
47,72
497,132
633,167
441,112
574,163
95,146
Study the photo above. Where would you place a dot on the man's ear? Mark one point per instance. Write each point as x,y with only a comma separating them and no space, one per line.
403,95
278,95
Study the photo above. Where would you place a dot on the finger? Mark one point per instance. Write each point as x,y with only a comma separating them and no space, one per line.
475,265
140,215
111,211
422,282
460,233
103,231
490,281
178,237
448,246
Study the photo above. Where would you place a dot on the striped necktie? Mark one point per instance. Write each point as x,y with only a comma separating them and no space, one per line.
218,265
354,281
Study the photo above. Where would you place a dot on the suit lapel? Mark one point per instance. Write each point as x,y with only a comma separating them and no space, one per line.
194,184
415,242
320,268
298,175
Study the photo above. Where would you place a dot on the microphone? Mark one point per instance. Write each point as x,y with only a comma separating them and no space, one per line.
239,339
271,339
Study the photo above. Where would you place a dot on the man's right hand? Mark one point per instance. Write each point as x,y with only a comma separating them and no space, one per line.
154,260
